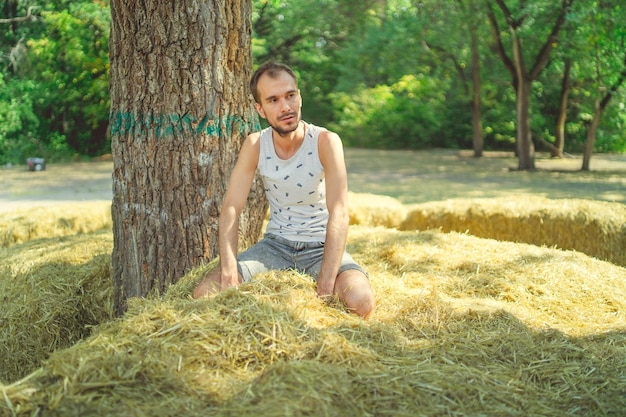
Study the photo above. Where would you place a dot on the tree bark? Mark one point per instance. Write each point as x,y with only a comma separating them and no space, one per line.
525,145
590,140
477,126
559,142
180,109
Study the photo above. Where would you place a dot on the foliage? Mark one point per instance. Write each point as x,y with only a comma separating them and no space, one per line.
17,119
56,95
407,114
394,73
71,65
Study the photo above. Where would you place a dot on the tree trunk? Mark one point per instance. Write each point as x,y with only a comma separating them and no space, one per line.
477,127
590,140
180,110
599,108
559,142
525,146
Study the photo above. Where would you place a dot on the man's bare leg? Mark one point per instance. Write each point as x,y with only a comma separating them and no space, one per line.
355,291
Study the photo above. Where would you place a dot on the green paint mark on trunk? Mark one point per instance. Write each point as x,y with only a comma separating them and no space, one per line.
164,126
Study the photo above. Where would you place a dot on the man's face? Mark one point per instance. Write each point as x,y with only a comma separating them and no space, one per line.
280,102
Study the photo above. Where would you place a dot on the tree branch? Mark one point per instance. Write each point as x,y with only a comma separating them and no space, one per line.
448,55
618,83
514,24
501,50
544,53
29,16
551,146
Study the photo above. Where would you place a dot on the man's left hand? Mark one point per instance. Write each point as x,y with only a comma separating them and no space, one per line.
325,288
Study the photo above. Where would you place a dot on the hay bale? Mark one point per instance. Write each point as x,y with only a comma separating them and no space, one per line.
375,210
464,326
55,221
592,227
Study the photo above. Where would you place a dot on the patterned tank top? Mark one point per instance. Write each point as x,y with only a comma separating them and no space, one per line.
295,188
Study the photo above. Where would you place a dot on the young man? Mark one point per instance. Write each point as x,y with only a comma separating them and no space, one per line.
305,179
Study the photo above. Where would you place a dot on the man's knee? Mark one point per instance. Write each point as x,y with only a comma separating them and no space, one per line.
353,288
364,303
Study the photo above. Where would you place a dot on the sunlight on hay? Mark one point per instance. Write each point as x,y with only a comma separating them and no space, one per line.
375,210
60,220
592,227
564,290
464,326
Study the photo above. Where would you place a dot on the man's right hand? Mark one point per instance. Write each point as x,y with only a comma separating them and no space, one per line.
215,281
229,280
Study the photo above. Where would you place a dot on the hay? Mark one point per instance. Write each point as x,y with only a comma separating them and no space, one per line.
464,326
563,290
52,290
375,210
54,221
592,227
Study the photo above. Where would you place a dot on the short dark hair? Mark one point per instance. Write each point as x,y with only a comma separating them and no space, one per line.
272,69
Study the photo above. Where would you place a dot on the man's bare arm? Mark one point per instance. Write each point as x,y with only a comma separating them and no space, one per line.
332,158
239,186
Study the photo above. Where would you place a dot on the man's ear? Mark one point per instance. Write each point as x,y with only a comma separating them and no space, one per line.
259,109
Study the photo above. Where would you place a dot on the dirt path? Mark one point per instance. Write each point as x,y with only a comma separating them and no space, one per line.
411,176
58,184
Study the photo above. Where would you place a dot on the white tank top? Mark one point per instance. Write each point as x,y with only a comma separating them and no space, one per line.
295,188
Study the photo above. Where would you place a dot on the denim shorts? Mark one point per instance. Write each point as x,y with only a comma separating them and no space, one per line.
277,253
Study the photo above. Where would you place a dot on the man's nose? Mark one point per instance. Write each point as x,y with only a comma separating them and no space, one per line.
284,106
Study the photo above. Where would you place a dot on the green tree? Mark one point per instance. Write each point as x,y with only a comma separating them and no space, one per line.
461,48
70,66
532,29
604,41
391,92
18,121
311,37
54,64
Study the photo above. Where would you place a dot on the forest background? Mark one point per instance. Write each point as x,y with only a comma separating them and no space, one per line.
392,74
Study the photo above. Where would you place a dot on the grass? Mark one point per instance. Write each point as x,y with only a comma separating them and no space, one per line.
422,176
410,176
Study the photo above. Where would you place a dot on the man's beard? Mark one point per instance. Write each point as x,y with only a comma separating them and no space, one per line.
285,131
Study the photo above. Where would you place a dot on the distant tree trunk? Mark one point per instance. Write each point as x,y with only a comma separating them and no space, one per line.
525,145
590,140
599,108
180,110
559,142
477,126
